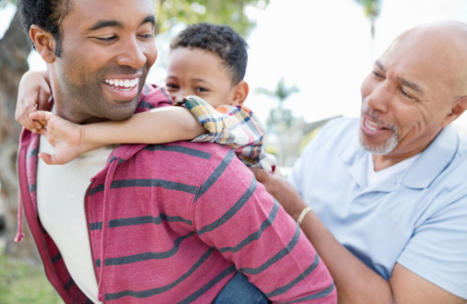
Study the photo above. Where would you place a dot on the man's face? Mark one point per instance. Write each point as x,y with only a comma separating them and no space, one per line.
201,73
108,49
406,99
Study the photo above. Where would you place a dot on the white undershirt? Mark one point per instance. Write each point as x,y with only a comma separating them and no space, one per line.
60,200
375,177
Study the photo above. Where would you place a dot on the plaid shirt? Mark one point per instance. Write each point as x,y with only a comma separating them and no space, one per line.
173,223
234,126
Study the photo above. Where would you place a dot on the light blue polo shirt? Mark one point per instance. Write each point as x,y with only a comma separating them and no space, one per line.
418,217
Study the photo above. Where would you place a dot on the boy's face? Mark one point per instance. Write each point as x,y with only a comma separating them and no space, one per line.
201,73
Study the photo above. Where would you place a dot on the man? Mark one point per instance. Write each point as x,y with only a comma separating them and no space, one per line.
154,223
389,191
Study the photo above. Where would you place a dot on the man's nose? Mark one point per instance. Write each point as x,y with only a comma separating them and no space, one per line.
379,97
131,54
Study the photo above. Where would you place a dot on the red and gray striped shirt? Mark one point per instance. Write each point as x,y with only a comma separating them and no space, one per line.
173,223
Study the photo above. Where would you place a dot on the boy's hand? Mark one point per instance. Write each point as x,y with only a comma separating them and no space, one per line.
66,137
33,94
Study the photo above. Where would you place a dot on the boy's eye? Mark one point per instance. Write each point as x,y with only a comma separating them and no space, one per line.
201,89
171,86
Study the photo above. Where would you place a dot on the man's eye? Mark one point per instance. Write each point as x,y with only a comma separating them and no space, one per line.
147,36
377,74
406,94
106,39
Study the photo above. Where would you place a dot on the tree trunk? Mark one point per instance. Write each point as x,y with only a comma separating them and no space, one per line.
14,51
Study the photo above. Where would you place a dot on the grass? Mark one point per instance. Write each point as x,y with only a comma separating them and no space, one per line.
22,283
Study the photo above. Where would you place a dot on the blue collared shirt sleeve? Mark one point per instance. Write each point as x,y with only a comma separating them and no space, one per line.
437,250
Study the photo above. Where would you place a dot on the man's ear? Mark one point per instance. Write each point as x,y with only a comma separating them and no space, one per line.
457,109
44,42
241,91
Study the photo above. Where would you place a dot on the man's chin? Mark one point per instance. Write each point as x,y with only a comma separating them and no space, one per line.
383,148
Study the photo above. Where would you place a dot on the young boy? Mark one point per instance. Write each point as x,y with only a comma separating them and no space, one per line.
206,67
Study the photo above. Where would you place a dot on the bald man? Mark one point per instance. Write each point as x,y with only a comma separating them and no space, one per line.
389,190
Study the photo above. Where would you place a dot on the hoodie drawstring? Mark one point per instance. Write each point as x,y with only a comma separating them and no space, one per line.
19,231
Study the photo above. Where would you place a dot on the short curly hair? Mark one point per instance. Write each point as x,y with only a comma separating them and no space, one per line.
48,14
220,40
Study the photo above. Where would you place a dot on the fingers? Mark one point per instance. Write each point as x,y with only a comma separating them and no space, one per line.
41,115
50,159
40,119
22,115
47,158
260,174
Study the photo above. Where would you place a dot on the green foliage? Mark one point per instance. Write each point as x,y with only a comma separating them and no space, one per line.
281,93
229,12
371,8
279,118
3,3
21,283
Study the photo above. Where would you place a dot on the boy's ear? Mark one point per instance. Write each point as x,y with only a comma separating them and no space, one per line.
241,91
457,109
44,42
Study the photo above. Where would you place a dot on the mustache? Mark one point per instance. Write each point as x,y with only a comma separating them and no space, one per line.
372,114
117,70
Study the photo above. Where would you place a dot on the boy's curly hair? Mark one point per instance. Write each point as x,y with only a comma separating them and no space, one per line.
220,40
48,14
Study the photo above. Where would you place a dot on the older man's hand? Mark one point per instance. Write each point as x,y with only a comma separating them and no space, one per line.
282,190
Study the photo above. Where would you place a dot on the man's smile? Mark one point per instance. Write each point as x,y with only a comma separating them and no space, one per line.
122,84
122,89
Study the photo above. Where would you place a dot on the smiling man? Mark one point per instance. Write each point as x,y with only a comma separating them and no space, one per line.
389,191
146,223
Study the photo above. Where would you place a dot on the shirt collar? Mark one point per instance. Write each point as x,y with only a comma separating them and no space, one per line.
420,175
433,159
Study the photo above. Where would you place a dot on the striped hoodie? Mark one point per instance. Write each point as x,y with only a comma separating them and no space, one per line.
173,223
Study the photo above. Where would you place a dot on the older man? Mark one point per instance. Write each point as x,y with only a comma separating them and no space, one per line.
139,223
389,191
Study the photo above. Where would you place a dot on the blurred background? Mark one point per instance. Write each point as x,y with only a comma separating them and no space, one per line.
307,59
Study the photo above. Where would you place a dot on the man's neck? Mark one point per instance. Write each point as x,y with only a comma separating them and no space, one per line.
384,161
73,115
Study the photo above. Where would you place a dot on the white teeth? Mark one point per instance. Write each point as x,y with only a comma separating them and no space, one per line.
126,83
371,125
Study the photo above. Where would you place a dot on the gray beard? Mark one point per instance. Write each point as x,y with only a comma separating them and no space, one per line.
384,148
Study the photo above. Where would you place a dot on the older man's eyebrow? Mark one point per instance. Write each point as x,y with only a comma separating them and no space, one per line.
379,64
411,85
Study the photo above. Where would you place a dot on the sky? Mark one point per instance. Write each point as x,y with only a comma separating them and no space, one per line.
322,47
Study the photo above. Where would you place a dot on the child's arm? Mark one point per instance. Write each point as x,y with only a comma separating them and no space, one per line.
235,126
33,93
162,125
